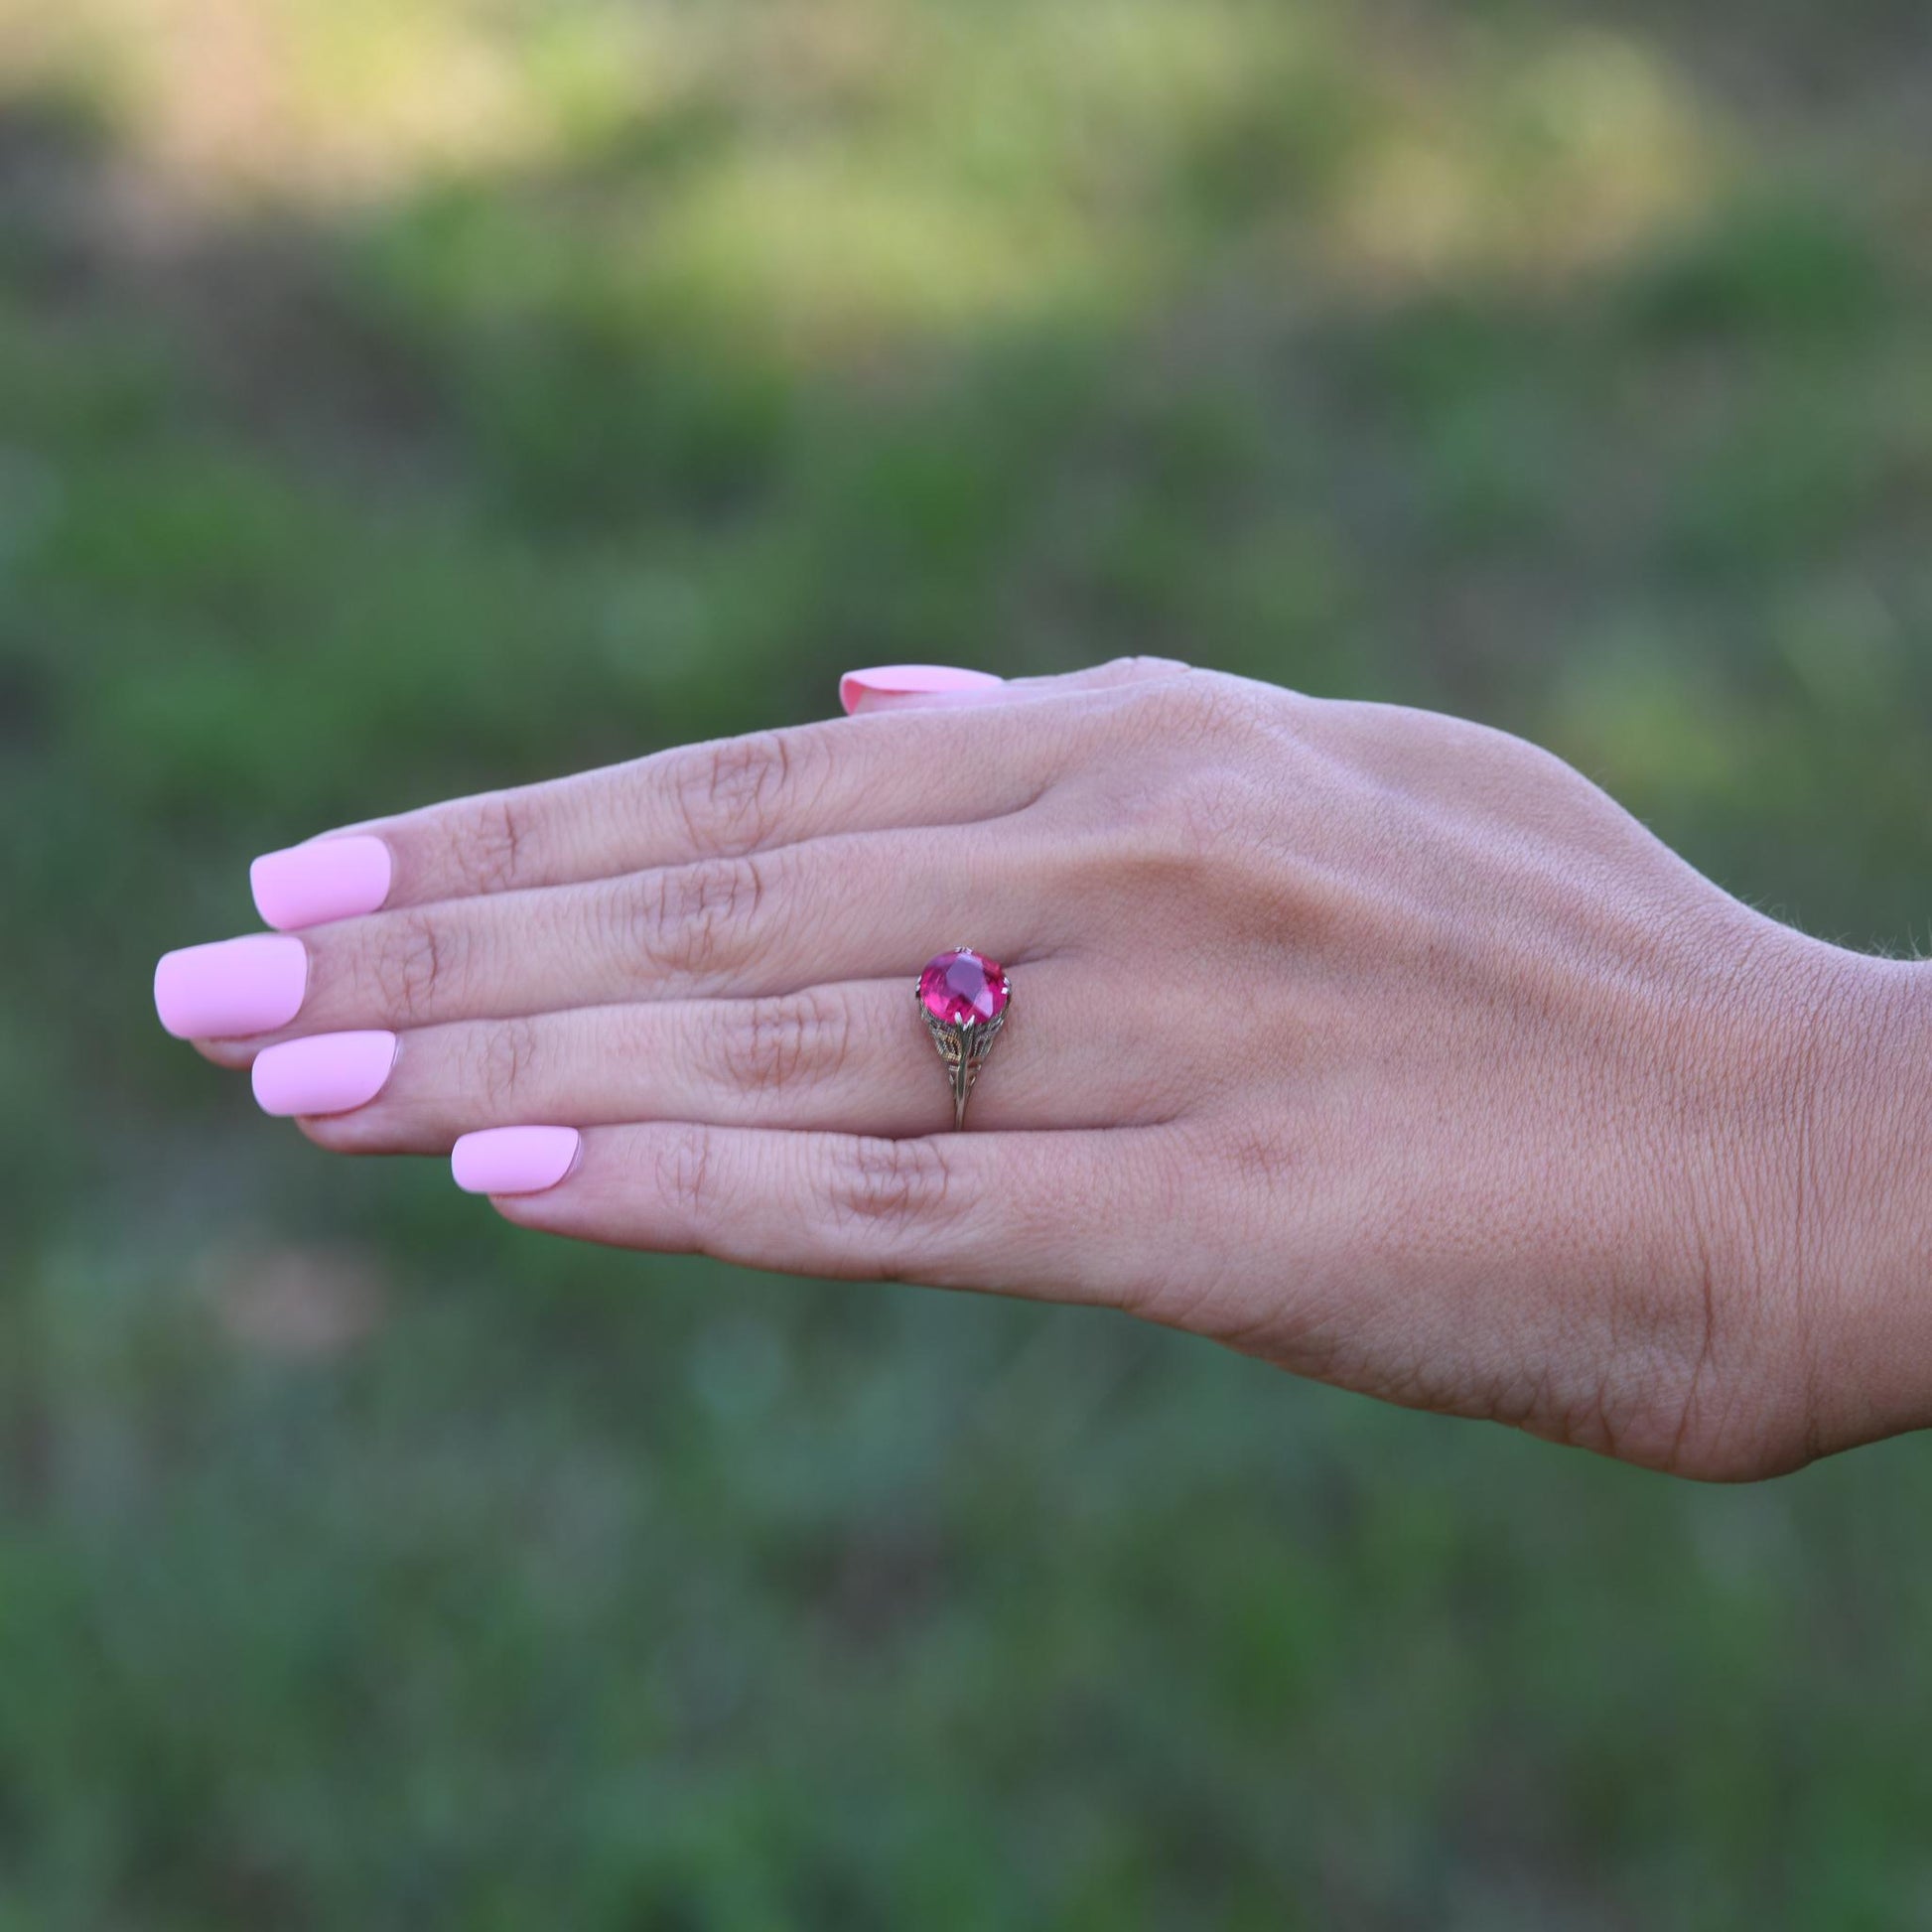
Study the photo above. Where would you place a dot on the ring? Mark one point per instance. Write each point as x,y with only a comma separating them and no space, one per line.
963,997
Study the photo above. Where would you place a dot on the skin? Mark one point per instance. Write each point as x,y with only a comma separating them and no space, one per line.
1374,1043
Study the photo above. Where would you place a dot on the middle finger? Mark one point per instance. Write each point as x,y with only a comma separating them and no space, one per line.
865,905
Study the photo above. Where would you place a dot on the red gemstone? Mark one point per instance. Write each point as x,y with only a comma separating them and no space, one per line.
963,988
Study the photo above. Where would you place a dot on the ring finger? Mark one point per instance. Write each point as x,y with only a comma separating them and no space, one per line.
850,1057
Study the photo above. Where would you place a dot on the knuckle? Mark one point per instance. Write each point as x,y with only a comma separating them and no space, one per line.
1206,710
1143,666
419,969
684,1170
1218,816
732,795
693,919
776,1045
1200,815
486,844
506,1059
1185,829
894,1188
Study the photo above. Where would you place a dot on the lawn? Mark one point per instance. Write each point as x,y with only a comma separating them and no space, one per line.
402,399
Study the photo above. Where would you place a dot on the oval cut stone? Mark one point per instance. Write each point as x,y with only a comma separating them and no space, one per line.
963,988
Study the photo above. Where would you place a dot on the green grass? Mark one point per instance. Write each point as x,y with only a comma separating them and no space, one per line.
527,387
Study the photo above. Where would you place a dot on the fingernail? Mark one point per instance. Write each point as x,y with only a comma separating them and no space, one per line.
927,687
329,1073
514,1159
231,988
326,879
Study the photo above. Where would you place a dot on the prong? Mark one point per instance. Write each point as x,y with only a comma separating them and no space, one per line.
962,1047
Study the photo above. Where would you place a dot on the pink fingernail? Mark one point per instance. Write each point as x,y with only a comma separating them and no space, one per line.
514,1159
929,687
329,1073
233,987
326,879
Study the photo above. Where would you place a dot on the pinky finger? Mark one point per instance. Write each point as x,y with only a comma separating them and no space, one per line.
1055,1217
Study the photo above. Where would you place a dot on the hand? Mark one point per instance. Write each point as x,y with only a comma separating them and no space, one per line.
1375,1043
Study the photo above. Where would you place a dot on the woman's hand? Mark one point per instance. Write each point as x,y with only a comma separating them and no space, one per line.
1377,1044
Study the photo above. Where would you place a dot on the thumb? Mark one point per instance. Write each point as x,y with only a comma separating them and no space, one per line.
933,687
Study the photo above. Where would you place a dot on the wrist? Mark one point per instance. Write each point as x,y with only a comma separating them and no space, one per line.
1840,1210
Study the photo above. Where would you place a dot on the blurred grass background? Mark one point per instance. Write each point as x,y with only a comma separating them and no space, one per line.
405,397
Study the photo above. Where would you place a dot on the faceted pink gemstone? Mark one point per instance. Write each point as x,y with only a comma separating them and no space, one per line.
963,987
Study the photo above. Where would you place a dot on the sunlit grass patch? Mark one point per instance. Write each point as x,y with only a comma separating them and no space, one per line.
1563,152
864,171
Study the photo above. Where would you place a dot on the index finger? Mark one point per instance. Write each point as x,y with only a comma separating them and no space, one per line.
723,799
731,797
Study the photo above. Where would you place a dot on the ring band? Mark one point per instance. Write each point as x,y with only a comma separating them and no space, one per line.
963,997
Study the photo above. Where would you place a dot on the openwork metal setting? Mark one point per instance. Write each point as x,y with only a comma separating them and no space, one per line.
963,1050
963,1043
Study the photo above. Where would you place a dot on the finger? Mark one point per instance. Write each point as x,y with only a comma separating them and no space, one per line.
854,1058
723,799
944,687
1083,1216
934,687
872,905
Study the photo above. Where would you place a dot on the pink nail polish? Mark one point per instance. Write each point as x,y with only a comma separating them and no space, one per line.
329,1073
326,879
926,687
514,1159
231,988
